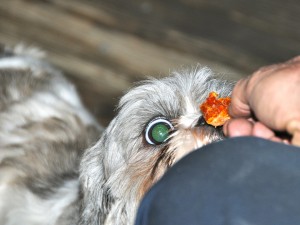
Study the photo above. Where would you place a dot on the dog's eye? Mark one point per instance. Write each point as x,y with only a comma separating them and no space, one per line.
158,131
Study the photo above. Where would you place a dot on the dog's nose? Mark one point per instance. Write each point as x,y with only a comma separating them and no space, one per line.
201,122
203,125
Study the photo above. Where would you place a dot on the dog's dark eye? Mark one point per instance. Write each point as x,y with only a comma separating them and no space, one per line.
158,131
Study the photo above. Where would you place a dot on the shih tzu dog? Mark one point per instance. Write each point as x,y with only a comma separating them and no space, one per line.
50,173
158,122
44,129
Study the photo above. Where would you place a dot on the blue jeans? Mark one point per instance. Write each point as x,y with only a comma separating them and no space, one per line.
238,181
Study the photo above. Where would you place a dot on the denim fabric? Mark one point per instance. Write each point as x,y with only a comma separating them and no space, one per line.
238,181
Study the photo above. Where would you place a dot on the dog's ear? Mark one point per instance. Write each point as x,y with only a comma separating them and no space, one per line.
94,211
96,199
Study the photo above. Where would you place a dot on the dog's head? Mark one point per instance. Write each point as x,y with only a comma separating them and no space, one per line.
158,123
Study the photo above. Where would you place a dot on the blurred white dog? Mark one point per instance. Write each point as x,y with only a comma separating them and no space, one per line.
44,129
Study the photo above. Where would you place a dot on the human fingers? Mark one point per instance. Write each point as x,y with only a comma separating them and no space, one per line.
262,131
238,127
274,89
239,106
244,127
242,94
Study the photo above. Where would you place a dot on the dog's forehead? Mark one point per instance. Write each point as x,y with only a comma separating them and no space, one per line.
165,97
171,96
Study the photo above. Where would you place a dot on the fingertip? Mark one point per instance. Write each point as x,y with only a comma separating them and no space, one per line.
238,127
260,130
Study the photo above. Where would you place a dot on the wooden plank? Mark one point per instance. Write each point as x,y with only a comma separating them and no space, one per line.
130,53
104,46
242,34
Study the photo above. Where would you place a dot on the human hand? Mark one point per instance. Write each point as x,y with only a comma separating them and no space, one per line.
266,102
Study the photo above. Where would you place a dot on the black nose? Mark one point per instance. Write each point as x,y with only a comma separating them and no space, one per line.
201,122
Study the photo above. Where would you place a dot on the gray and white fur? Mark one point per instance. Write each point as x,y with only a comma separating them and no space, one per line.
44,131
122,166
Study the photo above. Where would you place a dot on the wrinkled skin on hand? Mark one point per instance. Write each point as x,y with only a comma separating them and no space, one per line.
266,102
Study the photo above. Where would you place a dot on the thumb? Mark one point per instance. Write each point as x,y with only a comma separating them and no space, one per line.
239,106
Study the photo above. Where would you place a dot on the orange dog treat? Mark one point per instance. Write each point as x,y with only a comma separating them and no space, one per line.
215,110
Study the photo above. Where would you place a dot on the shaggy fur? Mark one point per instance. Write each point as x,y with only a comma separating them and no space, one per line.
44,130
122,166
